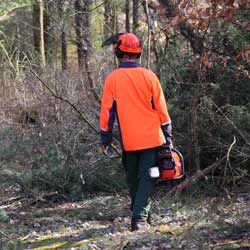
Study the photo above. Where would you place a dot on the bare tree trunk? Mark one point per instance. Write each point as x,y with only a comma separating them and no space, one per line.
79,28
42,49
83,33
83,30
49,32
36,27
115,23
64,48
107,31
135,16
127,12
64,42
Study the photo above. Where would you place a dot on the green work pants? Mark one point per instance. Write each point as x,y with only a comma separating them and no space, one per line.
141,185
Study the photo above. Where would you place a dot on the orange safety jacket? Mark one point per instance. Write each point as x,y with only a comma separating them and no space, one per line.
134,95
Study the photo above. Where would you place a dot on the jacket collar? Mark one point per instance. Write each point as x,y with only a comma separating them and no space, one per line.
129,65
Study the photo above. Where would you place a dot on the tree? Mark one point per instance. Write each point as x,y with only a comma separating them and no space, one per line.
64,42
83,30
49,30
107,23
36,27
42,46
127,13
135,16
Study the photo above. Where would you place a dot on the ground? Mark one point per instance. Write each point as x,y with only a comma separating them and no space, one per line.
101,221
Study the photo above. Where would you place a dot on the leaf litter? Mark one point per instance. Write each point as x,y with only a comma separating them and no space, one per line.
102,222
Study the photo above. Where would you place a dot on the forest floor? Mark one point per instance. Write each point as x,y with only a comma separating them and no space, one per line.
102,222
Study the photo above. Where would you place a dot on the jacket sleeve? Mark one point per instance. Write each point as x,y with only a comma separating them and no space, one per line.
108,113
160,102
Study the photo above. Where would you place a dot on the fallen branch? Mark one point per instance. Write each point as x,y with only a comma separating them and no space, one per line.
193,179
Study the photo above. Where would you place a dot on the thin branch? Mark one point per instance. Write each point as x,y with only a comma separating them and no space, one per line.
230,148
5,235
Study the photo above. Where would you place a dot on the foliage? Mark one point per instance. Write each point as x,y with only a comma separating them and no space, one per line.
7,6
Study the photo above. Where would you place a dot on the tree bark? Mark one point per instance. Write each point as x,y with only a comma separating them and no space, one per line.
83,35
127,13
135,16
42,48
64,42
107,31
64,49
36,27
195,131
49,32
83,30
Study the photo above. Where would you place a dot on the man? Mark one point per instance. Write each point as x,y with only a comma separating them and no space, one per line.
134,95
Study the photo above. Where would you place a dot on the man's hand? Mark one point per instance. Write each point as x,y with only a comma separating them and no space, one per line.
167,131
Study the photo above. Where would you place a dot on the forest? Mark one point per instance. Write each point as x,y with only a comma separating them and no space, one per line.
57,189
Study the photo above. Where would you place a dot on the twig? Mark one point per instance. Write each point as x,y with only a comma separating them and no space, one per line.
5,235
228,162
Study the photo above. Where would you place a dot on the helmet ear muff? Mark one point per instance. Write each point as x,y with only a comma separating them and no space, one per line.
118,52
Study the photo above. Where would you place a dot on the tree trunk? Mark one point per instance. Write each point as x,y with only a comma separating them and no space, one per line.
135,16
41,19
127,13
115,23
36,27
83,30
107,30
64,42
195,130
64,48
49,32
83,35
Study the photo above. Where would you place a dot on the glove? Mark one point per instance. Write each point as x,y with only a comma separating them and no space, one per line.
106,137
167,131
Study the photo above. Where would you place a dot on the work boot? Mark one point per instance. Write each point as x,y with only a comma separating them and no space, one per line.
139,224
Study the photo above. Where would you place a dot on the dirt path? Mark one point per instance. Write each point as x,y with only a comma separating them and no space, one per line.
102,222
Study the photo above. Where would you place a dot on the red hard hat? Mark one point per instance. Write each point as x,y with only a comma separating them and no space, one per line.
129,43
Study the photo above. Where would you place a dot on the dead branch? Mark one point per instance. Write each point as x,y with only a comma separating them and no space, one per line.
193,179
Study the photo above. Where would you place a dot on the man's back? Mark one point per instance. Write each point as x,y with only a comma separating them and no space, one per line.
140,106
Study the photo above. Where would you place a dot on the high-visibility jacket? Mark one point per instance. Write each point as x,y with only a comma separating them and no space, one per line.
134,95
